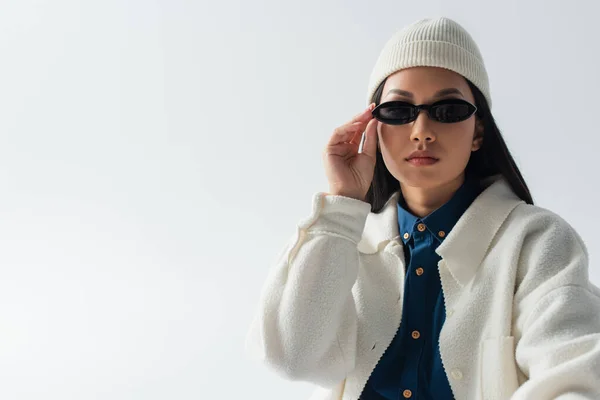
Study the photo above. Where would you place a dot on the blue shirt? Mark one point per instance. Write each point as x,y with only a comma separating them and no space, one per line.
411,367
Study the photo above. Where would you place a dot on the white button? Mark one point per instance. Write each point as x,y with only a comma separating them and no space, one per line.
450,312
456,374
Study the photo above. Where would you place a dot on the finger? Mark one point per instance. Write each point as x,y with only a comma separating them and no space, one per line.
364,115
341,149
358,136
370,144
356,139
345,133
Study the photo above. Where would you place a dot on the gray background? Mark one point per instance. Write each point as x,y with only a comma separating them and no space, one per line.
156,155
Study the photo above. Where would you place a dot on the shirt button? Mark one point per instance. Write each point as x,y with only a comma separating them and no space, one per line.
416,334
421,227
420,271
406,235
456,374
407,394
450,312
441,234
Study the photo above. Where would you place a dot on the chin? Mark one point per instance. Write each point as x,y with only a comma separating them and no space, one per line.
424,182
421,177
426,179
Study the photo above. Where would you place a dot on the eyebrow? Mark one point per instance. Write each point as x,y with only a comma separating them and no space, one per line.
439,93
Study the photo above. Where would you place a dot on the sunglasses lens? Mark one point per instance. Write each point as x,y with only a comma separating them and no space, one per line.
396,113
451,112
446,111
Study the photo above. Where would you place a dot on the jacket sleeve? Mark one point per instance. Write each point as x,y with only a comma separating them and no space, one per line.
305,325
557,317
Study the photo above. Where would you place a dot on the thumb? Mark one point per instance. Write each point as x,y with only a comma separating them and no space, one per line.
370,139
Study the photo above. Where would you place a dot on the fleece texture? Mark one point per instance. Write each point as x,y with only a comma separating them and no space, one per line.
523,319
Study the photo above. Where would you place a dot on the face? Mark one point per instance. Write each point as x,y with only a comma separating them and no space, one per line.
450,143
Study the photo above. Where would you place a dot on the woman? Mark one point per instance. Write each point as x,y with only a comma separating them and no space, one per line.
426,272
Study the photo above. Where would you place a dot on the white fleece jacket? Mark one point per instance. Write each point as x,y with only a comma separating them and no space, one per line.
523,319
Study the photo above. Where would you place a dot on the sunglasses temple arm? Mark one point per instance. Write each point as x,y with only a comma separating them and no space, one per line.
362,141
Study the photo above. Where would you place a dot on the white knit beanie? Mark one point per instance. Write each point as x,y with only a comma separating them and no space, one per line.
434,42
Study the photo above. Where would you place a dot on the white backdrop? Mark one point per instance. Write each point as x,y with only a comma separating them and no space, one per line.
155,156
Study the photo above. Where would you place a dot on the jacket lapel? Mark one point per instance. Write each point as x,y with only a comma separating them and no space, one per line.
469,241
382,227
466,245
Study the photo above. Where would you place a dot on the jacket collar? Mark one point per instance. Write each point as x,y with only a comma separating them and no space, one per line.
467,243
442,219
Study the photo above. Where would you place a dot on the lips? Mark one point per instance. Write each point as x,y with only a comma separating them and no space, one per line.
423,160
421,154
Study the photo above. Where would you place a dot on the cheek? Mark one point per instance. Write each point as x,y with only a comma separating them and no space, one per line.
456,146
450,141
457,150
393,138
462,139
394,143
453,143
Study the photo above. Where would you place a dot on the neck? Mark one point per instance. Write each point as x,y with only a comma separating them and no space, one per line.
423,201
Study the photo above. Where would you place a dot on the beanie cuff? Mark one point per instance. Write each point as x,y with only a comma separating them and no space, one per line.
433,54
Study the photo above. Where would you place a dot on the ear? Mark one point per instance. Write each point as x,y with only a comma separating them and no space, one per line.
478,137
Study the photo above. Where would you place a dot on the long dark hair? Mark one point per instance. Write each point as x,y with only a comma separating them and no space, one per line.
491,159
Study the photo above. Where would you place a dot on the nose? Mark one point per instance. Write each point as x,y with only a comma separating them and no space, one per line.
422,129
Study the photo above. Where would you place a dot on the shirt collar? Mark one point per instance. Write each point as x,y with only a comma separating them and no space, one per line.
466,246
441,221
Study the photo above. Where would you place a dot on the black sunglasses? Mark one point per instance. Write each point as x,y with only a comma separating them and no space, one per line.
445,111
